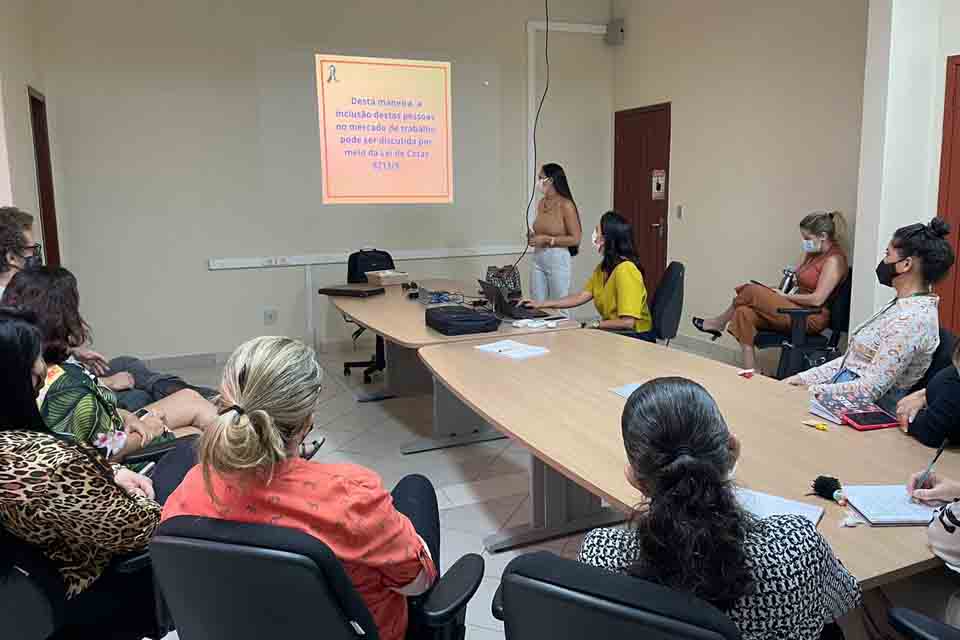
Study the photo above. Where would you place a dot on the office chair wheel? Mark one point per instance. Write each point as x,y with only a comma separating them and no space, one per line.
367,378
346,372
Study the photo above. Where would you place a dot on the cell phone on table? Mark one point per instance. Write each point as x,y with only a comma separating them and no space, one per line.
141,413
870,420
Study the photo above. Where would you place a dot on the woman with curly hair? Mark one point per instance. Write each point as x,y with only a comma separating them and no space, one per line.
775,577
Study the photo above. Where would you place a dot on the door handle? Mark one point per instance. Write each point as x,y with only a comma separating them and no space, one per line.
655,225
658,227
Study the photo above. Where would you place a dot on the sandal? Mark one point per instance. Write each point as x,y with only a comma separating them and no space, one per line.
698,325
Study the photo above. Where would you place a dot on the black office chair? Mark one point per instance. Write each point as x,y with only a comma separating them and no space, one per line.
800,351
357,266
33,597
545,596
919,627
666,306
942,358
225,580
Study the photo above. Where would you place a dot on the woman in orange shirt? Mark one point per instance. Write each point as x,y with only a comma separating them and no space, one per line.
249,471
822,269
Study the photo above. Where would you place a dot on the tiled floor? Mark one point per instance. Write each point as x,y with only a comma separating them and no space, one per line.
481,488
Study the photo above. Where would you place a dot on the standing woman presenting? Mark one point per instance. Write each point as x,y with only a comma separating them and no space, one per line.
555,237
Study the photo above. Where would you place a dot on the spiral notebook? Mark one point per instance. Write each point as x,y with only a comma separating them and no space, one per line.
887,505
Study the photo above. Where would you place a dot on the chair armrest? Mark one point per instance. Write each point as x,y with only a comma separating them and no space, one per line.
496,607
453,591
800,311
131,563
918,626
151,453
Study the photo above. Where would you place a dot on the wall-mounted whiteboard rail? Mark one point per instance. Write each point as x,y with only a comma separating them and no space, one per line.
273,262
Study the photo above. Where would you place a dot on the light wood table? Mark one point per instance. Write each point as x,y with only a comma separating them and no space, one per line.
560,407
400,321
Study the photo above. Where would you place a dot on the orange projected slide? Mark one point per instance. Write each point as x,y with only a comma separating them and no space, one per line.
384,130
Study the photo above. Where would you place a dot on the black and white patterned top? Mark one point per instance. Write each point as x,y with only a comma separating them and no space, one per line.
799,584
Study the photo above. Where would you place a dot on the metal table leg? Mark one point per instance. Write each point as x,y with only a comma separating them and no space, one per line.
559,507
454,424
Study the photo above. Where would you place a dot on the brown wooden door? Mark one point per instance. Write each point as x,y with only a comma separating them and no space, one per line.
641,169
48,207
949,203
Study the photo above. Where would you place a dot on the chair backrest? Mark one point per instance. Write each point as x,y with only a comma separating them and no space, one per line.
32,597
839,305
545,596
360,262
225,580
942,358
667,304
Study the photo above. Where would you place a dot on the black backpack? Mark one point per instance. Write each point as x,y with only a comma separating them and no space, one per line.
360,262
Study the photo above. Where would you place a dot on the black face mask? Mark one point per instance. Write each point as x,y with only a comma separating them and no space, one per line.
887,271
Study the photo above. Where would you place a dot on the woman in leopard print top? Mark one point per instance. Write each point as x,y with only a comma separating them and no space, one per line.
63,499
775,577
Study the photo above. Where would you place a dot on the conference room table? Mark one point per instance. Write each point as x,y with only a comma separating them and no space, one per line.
400,322
560,406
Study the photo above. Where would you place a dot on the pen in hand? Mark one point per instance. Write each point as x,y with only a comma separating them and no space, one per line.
922,480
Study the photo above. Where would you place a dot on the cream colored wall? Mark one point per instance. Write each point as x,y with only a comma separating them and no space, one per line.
766,107
187,130
18,69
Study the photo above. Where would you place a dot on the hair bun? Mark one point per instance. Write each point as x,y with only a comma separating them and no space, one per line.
939,227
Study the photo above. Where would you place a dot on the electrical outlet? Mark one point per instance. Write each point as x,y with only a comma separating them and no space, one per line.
270,316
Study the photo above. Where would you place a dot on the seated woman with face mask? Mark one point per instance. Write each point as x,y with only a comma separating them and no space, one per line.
616,286
822,269
889,353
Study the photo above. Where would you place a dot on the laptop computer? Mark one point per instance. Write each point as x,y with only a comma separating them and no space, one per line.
353,291
502,307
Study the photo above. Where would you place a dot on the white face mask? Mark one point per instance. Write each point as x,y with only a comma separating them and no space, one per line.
812,245
597,241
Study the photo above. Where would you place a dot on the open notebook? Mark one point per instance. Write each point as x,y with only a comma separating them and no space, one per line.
887,505
764,505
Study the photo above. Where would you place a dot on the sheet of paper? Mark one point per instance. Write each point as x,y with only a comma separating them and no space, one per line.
626,390
764,505
513,349
886,504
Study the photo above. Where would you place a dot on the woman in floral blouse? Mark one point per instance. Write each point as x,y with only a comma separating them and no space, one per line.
887,355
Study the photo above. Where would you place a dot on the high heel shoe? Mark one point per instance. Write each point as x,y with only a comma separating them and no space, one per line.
698,325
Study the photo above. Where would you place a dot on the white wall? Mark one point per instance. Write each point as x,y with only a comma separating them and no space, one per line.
903,129
766,106
187,130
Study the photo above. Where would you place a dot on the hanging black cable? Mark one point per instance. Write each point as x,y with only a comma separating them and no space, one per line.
536,123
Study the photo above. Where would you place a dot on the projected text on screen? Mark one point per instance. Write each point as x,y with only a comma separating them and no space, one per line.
384,130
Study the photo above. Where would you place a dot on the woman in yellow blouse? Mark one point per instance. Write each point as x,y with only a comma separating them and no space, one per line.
616,286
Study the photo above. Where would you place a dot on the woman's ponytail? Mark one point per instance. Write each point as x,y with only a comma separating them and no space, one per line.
270,389
691,532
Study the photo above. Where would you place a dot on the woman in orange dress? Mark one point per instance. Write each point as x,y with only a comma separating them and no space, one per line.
823,268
